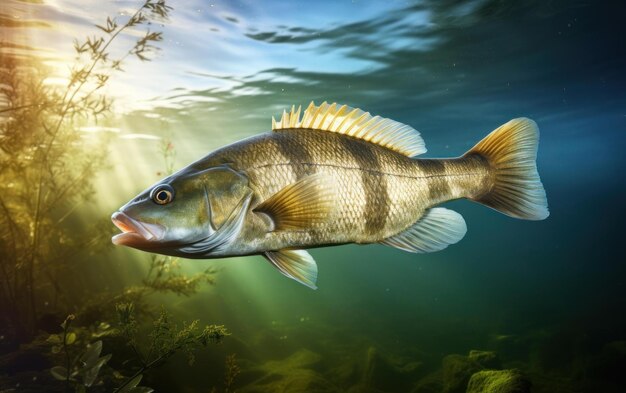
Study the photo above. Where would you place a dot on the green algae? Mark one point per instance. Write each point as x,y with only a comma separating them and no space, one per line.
498,381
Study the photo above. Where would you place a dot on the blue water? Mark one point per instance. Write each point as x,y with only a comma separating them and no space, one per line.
548,297
555,288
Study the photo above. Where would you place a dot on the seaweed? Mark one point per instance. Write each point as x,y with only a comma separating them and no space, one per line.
165,339
80,369
231,371
79,363
47,170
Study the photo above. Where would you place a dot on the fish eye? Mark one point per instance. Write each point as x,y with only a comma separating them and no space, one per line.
162,194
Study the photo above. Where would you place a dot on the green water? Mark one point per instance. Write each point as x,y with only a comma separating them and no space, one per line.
547,297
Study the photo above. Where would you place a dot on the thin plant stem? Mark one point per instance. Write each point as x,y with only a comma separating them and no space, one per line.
66,104
147,367
66,327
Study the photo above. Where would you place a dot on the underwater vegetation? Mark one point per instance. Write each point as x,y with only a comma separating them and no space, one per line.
49,323
100,99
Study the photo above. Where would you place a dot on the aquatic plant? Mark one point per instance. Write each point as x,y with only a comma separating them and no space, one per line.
80,370
499,381
164,276
168,153
77,351
232,371
165,340
46,168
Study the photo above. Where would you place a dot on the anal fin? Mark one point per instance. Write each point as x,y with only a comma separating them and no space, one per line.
435,230
295,264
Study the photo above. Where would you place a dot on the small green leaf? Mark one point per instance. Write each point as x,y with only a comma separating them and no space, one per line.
59,373
106,30
70,339
54,339
90,356
92,373
56,349
131,385
142,389
103,326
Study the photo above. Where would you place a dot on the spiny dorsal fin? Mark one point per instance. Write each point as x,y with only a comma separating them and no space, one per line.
301,205
437,229
356,123
296,264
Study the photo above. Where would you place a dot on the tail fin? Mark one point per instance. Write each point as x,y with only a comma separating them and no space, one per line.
511,151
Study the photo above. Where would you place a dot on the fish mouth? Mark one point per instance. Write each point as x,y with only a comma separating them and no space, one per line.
135,232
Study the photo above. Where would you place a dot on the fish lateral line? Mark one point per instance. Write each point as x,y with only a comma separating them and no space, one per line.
372,171
329,176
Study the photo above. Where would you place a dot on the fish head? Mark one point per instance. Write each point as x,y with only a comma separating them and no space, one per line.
182,211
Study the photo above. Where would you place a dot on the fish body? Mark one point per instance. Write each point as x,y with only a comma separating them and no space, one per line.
377,192
337,175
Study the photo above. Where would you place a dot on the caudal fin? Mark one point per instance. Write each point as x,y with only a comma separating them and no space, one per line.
511,151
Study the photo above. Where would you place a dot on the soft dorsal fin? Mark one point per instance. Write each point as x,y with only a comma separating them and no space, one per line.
437,229
296,264
356,123
301,205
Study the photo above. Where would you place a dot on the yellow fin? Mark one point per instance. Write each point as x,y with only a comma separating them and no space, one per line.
517,190
301,205
356,123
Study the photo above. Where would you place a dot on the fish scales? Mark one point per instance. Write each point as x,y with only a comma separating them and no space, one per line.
380,191
331,176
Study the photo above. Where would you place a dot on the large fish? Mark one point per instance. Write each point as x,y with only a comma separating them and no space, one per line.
335,175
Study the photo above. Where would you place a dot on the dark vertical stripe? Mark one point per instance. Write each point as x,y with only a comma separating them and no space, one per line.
374,184
438,186
293,147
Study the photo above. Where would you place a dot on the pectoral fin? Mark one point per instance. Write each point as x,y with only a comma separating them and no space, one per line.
436,230
296,264
300,205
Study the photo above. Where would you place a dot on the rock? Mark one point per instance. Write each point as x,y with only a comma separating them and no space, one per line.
295,374
295,381
610,364
431,383
363,389
486,359
498,381
346,373
301,359
457,370
387,374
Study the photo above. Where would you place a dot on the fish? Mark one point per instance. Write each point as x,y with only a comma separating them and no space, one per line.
333,175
